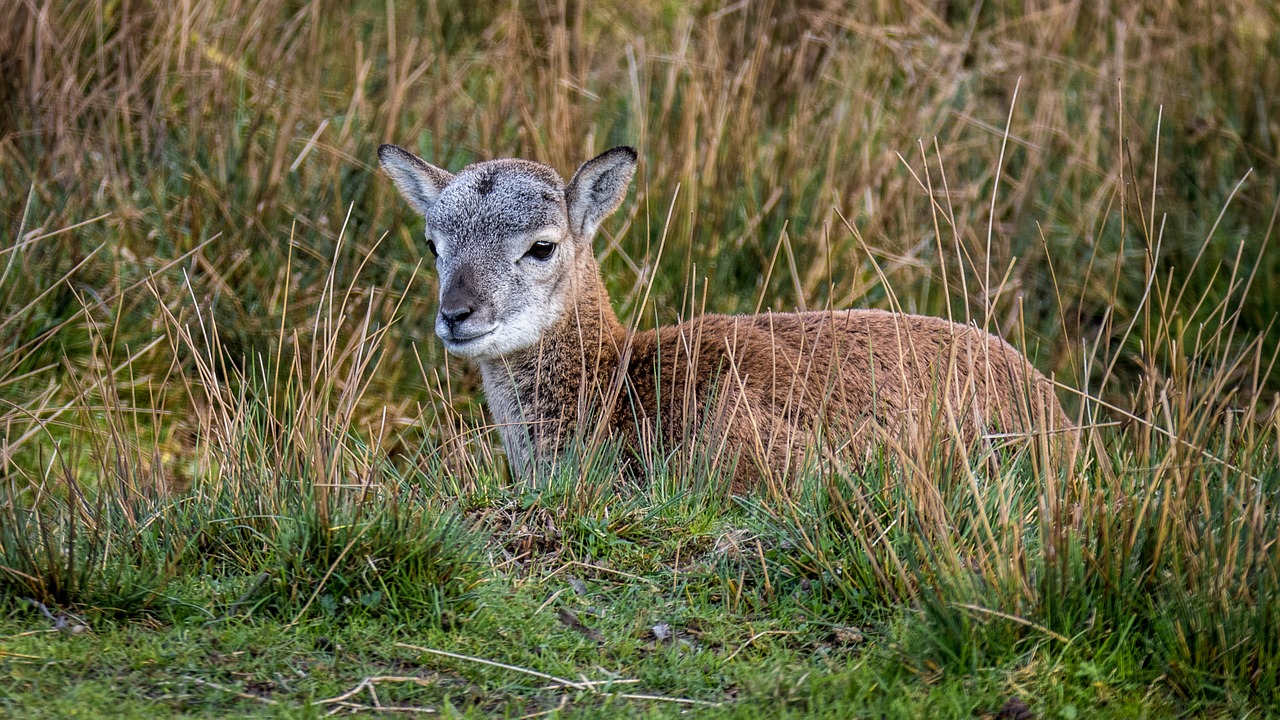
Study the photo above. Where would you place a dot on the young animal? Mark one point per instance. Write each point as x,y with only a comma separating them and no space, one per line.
521,295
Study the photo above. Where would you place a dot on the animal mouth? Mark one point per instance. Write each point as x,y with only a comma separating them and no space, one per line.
468,339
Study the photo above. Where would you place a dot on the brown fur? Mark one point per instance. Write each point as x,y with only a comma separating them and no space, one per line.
759,387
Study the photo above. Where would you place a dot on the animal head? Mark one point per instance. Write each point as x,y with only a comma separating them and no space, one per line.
510,239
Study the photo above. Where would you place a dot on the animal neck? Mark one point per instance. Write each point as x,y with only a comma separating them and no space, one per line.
589,322
542,392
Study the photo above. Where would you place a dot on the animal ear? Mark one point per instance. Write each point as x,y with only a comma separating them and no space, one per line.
419,181
598,188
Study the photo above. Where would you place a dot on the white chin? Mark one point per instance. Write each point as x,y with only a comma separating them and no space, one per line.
478,349
513,336
493,346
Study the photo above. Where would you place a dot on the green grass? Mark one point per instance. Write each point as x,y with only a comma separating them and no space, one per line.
773,655
744,607
234,460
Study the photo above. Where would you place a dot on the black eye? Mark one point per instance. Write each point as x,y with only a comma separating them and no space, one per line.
541,250
432,247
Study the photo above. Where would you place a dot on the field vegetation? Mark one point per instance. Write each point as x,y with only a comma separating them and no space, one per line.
239,477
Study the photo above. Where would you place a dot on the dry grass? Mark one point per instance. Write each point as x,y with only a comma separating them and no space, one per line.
202,276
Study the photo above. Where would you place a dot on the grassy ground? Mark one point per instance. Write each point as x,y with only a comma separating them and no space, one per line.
709,665
659,608
238,474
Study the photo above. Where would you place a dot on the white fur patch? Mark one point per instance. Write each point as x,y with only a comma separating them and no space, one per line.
504,407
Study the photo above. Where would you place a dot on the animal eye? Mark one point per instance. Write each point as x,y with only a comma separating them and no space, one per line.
541,250
432,247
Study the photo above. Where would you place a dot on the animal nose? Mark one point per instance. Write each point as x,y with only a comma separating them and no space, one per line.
459,301
454,315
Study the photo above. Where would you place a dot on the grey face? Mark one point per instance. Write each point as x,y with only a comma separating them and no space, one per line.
508,236
501,232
